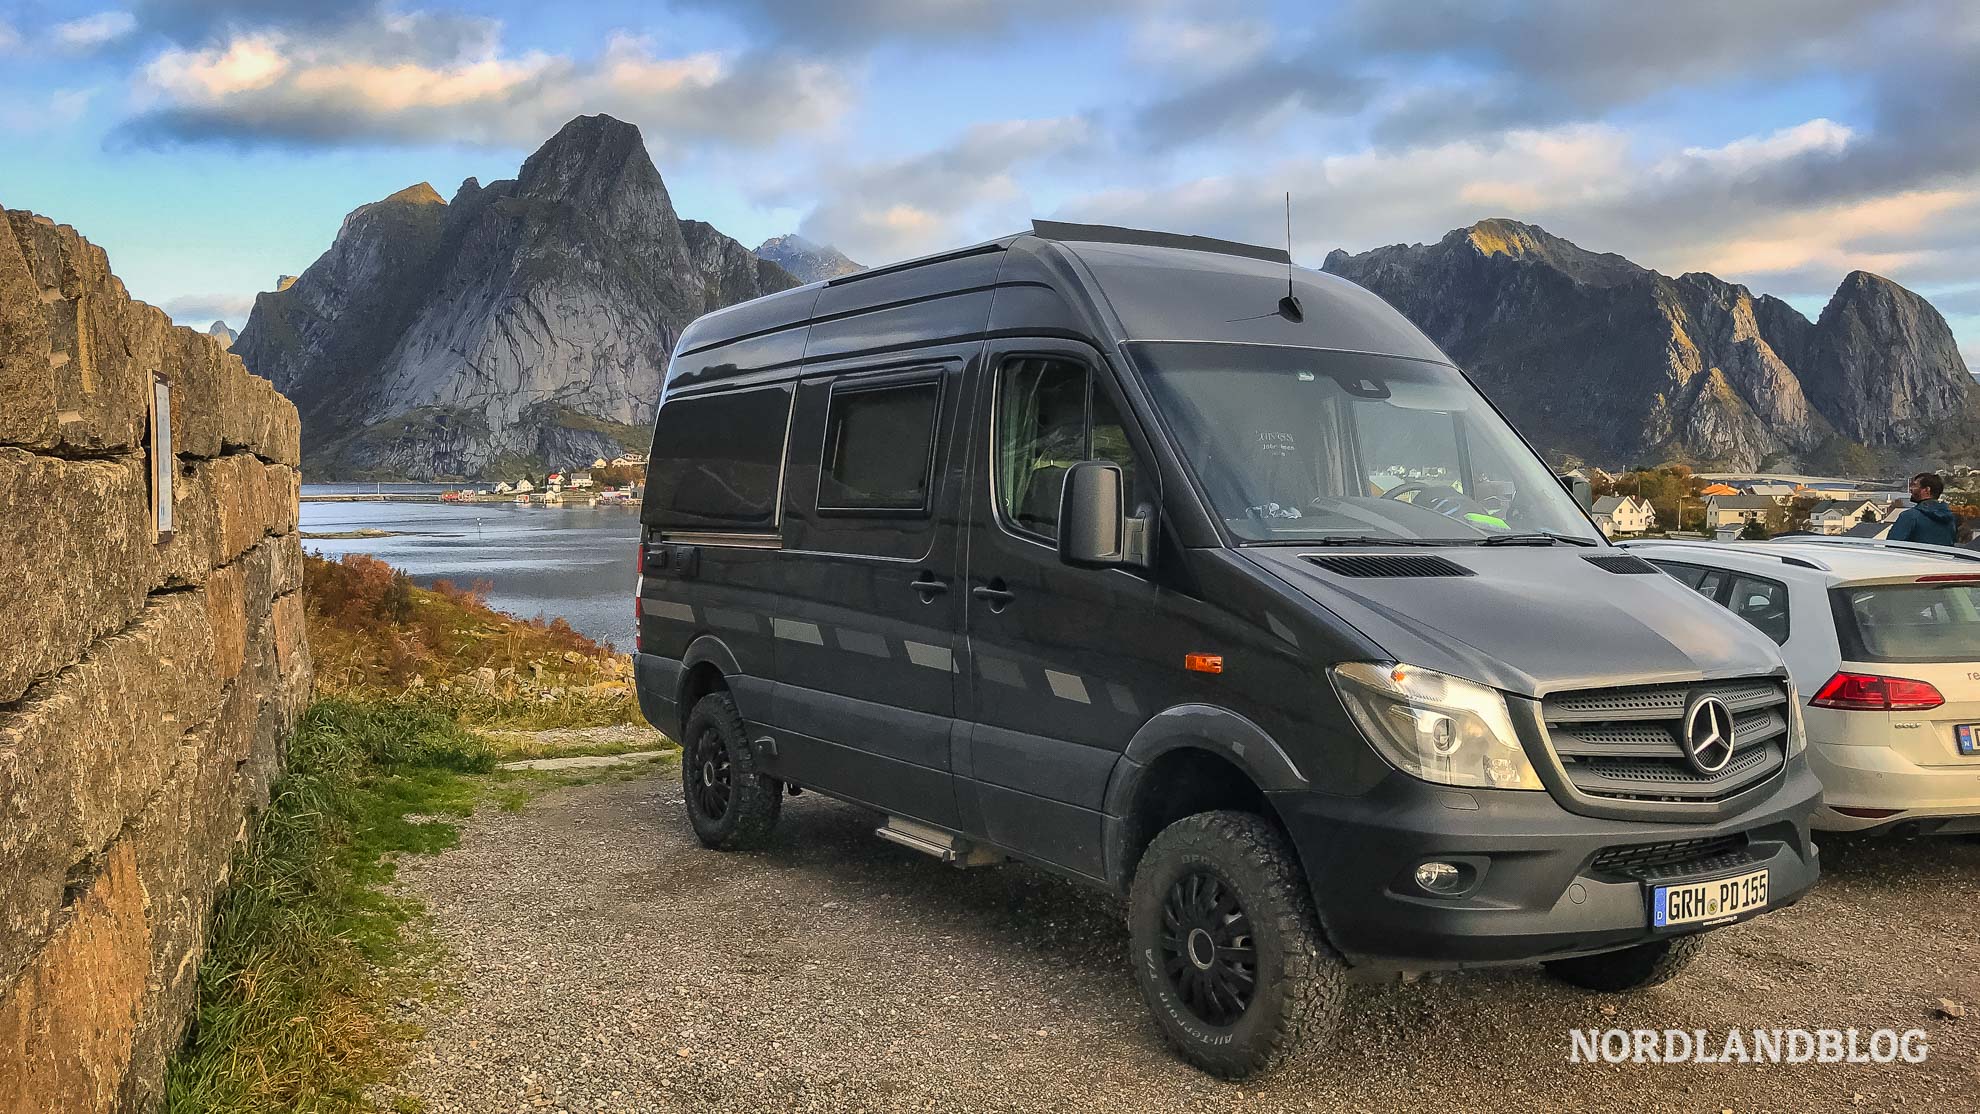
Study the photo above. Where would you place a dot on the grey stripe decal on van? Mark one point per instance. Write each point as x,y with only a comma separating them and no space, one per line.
668,609
1001,671
1067,686
795,630
934,657
734,620
860,642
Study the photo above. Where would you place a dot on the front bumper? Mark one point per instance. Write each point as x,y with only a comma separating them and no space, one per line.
1536,893
1937,798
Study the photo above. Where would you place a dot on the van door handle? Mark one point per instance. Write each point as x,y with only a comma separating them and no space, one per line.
929,587
997,596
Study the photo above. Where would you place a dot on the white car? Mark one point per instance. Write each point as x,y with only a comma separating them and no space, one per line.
1882,640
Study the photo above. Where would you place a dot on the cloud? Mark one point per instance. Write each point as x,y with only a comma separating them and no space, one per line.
201,310
94,31
413,79
1207,45
862,23
1252,98
896,208
54,111
1544,61
1720,209
193,22
10,39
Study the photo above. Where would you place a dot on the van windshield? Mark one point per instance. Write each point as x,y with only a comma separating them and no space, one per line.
1302,444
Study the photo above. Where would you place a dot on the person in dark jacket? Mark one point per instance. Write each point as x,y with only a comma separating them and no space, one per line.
1928,520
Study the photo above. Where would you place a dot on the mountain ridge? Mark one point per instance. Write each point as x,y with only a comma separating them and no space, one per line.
809,261
1597,357
523,324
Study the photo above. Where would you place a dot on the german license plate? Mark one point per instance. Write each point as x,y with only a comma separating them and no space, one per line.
1967,735
1714,902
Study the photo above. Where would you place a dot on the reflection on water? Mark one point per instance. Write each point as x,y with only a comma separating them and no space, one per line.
573,562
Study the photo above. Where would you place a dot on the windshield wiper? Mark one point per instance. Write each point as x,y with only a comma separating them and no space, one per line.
1535,539
1370,539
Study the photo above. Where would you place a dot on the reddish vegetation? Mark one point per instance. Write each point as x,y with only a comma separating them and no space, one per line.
370,627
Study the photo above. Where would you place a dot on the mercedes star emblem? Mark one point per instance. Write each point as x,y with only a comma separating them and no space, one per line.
1708,735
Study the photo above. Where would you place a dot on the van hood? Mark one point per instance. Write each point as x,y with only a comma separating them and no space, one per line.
1533,620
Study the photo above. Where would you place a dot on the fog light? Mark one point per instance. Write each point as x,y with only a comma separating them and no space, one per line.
1440,878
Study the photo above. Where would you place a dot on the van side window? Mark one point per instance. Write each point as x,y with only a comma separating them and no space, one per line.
717,461
879,448
1049,418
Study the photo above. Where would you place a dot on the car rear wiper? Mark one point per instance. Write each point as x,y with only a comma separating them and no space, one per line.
1535,539
1370,539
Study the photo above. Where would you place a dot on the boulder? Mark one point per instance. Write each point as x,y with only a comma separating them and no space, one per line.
27,381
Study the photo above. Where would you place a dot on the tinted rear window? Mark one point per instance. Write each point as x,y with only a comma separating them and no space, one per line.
717,460
1910,622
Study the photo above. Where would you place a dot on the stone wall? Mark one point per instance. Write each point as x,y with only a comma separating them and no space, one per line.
147,687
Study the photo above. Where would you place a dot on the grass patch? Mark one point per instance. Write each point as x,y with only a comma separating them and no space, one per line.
307,952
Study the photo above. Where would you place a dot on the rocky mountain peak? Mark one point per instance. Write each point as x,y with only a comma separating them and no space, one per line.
589,161
809,261
419,193
1527,242
1594,355
526,324
220,332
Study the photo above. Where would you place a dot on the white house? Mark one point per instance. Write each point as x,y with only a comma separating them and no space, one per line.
1779,493
578,481
503,488
1837,516
1624,514
523,487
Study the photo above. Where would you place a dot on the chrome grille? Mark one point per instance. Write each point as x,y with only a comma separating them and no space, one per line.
1627,743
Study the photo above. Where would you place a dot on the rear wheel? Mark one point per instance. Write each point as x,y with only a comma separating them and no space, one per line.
730,803
1226,948
1635,968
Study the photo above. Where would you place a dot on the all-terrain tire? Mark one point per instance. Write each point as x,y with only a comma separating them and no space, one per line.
732,805
1202,869
1633,968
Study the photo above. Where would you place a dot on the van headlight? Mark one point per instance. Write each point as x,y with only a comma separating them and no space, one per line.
1434,726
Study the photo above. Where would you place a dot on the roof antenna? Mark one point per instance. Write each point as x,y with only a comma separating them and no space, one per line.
1289,307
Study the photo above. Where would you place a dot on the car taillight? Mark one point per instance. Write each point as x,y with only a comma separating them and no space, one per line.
1950,578
639,598
1866,692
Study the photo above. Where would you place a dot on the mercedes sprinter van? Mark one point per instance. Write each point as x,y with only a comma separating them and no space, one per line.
1163,564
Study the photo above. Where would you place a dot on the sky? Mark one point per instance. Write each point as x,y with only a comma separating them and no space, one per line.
211,145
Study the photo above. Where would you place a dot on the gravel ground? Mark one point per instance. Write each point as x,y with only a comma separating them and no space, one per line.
604,962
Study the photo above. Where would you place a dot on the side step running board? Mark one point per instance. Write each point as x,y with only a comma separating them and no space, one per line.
946,846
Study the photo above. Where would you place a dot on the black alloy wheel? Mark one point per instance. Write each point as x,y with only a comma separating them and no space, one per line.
1207,949
710,776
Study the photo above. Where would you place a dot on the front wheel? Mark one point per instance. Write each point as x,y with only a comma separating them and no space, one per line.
731,805
1226,947
1633,968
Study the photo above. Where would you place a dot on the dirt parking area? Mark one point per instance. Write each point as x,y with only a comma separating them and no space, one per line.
601,960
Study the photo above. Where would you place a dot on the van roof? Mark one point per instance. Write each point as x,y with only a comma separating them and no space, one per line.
1121,284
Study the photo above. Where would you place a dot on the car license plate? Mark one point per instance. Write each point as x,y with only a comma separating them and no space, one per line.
1717,901
1968,737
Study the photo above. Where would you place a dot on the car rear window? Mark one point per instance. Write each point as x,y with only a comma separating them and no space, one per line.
1909,622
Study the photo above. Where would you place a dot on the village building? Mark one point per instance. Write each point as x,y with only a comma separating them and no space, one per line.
1621,515
1737,510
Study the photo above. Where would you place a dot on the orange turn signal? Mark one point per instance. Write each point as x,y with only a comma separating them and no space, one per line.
1203,663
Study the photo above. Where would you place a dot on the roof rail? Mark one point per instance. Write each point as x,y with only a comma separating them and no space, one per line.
1728,547
1919,548
1114,234
983,248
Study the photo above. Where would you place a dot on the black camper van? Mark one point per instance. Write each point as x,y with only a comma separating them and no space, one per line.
1157,562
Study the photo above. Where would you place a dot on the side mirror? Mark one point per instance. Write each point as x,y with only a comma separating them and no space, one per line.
1095,531
1582,490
